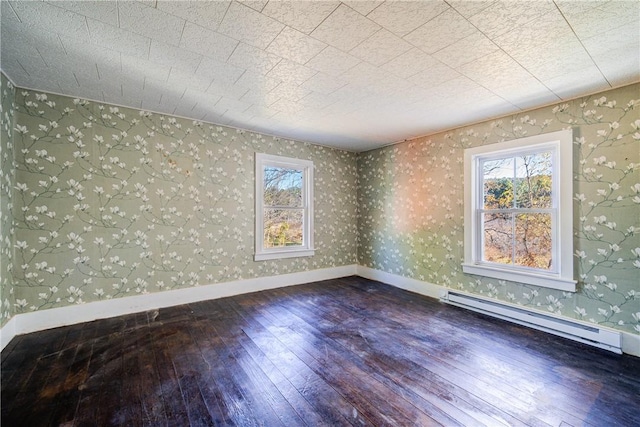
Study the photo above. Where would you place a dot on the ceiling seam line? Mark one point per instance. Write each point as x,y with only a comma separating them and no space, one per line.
581,44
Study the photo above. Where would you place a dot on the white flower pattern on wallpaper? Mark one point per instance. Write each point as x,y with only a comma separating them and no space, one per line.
112,202
7,179
108,202
411,208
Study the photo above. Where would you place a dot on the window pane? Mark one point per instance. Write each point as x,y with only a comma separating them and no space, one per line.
533,181
533,240
282,227
282,187
498,238
498,183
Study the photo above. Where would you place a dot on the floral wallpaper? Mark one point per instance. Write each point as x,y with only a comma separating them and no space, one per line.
410,199
112,202
7,179
103,202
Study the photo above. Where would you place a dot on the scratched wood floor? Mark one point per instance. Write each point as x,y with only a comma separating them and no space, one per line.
335,353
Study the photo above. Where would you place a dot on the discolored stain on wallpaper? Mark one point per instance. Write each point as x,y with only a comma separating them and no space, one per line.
112,202
411,199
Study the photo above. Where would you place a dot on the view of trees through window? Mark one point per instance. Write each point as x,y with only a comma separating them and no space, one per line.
518,210
283,207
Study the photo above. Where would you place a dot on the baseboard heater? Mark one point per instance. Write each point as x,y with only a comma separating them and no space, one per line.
587,333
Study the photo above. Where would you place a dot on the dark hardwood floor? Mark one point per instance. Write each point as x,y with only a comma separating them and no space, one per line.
341,352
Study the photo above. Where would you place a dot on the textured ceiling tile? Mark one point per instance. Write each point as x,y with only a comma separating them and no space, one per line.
324,83
207,14
345,29
452,88
105,11
573,7
332,61
134,66
231,104
304,16
490,69
617,53
364,74
252,58
559,63
226,90
286,106
625,36
245,24
18,40
574,83
296,46
443,30
402,17
317,100
256,5
44,17
466,50
380,48
150,22
468,8
221,72
260,98
534,34
434,75
608,16
172,56
253,80
527,94
363,7
183,79
409,63
118,39
503,16
206,42
289,71
290,91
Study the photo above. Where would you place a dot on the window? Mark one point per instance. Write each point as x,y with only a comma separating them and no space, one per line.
284,207
518,211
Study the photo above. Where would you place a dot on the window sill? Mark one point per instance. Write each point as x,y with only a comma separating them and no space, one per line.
265,256
546,281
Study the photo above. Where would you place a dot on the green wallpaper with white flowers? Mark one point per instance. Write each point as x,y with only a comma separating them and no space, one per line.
104,202
410,200
7,179
112,202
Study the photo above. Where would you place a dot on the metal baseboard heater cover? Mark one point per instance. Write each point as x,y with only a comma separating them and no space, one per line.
587,333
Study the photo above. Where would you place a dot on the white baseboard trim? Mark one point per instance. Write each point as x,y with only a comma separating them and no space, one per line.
7,332
630,342
406,283
47,319
56,317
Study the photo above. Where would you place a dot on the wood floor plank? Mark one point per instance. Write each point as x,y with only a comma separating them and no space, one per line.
396,376
343,352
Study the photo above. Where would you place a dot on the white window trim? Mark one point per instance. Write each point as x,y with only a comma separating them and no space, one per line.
307,248
561,143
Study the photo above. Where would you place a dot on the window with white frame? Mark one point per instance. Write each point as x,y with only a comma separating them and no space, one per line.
284,207
518,214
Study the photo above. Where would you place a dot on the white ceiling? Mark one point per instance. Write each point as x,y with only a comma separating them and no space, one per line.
353,74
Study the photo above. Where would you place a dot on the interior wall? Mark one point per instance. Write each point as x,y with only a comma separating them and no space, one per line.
411,207
7,180
112,202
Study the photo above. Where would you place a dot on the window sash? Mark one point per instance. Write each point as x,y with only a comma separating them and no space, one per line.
560,275
262,252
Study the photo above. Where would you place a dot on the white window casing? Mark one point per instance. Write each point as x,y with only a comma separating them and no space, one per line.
560,144
307,248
